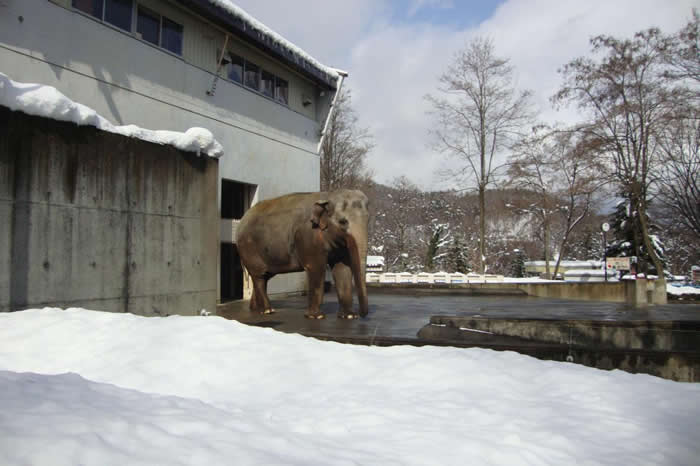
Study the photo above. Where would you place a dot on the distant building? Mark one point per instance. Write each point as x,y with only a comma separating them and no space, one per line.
375,264
537,268
176,64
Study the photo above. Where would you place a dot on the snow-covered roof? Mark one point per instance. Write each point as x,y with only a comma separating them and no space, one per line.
48,102
245,26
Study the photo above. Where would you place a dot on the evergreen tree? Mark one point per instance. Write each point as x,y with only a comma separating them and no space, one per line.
627,241
457,256
438,238
517,268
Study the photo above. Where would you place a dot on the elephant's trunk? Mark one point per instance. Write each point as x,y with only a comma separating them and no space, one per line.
358,260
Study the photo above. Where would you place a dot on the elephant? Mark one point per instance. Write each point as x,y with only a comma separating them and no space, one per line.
305,232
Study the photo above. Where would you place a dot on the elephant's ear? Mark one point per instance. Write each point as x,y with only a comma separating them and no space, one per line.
321,213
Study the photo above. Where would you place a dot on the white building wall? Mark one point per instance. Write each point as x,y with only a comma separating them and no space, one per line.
131,82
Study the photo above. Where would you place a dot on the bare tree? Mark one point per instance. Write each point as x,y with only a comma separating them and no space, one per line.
345,148
531,168
398,220
677,185
628,99
579,178
682,51
478,115
561,169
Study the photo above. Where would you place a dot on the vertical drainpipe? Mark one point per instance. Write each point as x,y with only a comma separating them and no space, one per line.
341,77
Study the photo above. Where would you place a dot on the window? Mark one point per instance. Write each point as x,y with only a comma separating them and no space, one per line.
91,7
118,13
235,68
172,36
252,76
115,12
282,91
159,30
148,25
267,83
153,28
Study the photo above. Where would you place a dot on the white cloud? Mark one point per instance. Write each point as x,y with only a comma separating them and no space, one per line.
392,68
326,29
392,64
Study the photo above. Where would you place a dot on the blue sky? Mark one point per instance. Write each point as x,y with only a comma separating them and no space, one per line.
395,51
456,14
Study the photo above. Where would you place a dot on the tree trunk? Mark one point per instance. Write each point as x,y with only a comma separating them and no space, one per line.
561,253
647,240
546,250
482,228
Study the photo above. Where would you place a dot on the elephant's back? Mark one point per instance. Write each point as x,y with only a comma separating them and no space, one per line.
276,211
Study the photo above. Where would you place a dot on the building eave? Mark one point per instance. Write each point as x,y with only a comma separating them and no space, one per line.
243,29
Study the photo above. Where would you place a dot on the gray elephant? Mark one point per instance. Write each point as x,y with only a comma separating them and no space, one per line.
306,231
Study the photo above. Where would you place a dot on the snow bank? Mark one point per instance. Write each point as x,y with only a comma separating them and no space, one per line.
48,102
83,387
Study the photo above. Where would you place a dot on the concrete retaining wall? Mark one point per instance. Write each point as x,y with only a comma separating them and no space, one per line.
634,334
615,292
104,222
666,349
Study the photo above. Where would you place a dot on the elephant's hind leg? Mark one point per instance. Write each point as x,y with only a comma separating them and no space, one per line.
342,276
260,302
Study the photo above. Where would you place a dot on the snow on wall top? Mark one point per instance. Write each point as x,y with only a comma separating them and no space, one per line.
254,24
48,102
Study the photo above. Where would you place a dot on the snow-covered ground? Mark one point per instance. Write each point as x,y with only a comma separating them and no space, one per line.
83,387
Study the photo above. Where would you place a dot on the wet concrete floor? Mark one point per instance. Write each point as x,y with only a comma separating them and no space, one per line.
395,317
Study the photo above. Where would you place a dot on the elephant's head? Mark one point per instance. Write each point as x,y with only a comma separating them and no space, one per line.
343,216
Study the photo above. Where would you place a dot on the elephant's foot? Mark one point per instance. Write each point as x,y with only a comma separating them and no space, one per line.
317,316
348,315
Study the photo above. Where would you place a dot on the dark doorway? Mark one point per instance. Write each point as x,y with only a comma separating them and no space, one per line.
231,273
236,199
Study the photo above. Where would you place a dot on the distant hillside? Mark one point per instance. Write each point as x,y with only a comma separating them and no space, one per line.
416,230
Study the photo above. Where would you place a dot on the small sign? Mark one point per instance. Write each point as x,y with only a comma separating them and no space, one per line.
605,227
618,263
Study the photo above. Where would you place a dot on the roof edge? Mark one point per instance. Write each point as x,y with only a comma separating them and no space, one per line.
236,21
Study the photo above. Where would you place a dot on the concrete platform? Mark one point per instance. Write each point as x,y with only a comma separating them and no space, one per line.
404,317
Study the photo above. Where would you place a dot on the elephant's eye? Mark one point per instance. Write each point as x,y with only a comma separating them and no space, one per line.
343,221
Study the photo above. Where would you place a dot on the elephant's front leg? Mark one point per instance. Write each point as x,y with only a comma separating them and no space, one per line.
342,276
315,276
